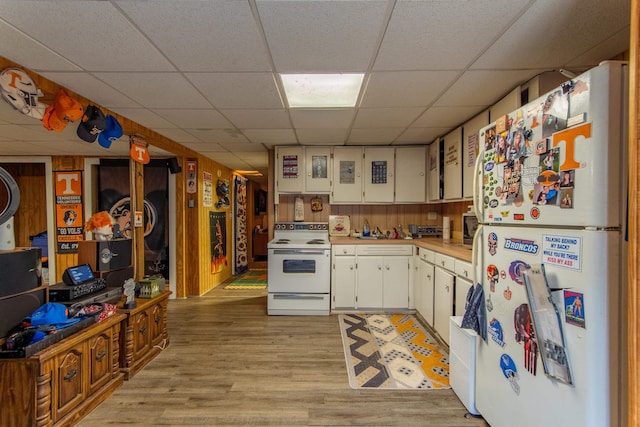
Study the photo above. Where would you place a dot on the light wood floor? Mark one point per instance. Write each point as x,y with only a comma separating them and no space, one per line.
230,364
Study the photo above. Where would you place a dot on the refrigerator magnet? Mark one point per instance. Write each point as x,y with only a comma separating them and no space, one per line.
510,372
496,332
574,308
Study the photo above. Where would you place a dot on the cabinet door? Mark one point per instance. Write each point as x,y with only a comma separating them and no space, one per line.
318,169
427,278
433,180
344,282
369,281
462,288
443,302
418,285
347,175
396,282
290,169
141,334
100,362
470,148
71,370
156,323
379,170
411,174
452,174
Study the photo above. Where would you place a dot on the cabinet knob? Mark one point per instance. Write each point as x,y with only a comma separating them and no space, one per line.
428,276
442,262
72,373
379,267
143,329
351,267
387,267
101,355
446,288
466,274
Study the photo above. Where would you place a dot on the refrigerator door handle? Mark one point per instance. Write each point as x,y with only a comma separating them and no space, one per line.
477,192
476,249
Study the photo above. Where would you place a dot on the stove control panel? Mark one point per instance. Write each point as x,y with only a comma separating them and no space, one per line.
301,226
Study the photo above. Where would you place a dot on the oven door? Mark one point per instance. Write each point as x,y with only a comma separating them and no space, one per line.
299,270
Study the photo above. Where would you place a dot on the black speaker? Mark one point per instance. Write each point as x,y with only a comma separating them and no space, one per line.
21,270
173,165
116,277
17,307
105,255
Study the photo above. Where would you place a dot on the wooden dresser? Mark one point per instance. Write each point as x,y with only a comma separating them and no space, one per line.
144,333
62,383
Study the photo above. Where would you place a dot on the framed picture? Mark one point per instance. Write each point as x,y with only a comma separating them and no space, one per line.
260,202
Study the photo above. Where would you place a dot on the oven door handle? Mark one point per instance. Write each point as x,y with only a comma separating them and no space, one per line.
297,296
298,251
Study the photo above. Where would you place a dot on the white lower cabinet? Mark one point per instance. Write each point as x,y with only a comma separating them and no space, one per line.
464,281
443,301
377,277
424,280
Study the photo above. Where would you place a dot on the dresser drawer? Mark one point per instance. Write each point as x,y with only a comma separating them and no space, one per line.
427,255
339,250
464,269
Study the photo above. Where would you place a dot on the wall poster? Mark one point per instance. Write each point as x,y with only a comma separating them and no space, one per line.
218,231
207,194
379,172
347,172
69,221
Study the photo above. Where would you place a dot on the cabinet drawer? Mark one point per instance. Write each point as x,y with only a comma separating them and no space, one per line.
445,261
343,250
464,269
427,255
385,250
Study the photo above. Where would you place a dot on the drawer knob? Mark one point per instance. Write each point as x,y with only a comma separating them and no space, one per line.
101,355
143,329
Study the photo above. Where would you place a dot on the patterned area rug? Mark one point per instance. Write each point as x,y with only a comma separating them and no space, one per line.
392,351
252,279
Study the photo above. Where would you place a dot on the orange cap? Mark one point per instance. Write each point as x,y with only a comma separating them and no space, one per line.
64,110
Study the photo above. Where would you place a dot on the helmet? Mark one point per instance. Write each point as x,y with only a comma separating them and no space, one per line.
19,90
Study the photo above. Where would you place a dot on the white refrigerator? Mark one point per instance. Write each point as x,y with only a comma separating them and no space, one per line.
550,191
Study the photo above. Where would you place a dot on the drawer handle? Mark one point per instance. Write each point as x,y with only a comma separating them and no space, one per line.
143,329
157,319
101,355
442,262
428,276
72,373
446,288
466,273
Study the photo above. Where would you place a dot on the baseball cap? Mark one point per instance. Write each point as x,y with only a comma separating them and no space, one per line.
54,314
112,131
64,110
92,124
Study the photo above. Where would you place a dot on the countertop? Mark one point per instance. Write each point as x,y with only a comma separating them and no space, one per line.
453,248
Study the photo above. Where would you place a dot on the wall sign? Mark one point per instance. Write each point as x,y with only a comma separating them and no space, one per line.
69,220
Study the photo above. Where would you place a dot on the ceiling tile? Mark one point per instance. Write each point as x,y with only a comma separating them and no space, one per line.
195,119
569,26
374,136
92,88
322,36
144,117
421,135
386,117
406,88
208,36
442,34
445,116
315,119
257,118
271,136
92,34
175,92
218,135
238,90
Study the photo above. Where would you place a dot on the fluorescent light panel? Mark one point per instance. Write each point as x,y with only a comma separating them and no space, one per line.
322,90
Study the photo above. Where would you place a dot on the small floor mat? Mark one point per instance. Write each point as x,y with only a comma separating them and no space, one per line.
392,351
252,279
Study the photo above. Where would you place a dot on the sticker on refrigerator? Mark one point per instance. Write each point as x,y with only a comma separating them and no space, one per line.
574,308
496,332
492,276
562,251
515,271
510,372
492,242
525,334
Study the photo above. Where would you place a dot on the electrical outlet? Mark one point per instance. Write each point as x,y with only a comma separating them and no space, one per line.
432,215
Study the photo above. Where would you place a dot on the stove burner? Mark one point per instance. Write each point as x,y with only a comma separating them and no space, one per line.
315,242
282,241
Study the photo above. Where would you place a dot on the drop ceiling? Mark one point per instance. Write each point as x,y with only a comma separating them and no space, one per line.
205,73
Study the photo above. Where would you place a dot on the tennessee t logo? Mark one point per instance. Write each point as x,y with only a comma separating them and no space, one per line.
569,137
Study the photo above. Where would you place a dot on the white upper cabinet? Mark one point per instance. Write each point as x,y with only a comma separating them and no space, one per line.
290,169
470,149
411,171
433,164
347,175
379,183
318,169
452,174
